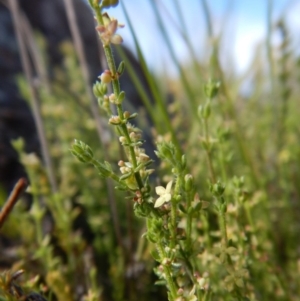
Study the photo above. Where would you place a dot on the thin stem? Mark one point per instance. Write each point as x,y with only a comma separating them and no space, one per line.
222,221
270,62
208,151
240,136
174,215
78,43
12,200
189,218
13,4
37,58
170,282
117,91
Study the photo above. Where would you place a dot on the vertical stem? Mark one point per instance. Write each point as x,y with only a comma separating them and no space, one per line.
117,90
13,4
270,61
208,152
222,221
189,221
170,282
71,15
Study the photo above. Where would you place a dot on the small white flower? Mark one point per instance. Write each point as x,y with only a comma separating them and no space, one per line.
191,296
164,193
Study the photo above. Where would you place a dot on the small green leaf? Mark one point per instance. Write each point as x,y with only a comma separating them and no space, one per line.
121,68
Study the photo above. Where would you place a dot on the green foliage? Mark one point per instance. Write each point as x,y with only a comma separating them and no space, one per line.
222,222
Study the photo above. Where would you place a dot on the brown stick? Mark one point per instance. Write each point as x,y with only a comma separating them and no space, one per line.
12,200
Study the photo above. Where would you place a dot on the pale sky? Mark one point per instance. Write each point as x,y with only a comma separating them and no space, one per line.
243,21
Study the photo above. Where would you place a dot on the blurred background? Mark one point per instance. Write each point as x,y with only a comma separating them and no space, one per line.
242,26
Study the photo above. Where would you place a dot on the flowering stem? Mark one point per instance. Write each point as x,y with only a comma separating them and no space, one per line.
222,220
189,222
208,152
117,91
174,214
170,282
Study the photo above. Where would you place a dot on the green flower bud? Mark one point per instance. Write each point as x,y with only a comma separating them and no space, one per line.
82,151
211,88
115,120
217,189
99,89
166,150
188,182
126,114
109,3
204,111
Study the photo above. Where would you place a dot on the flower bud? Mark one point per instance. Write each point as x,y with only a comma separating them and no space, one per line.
112,98
204,111
115,120
82,151
109,3
99,89
188,182
106,77
126,114
211,88
121,163
122,139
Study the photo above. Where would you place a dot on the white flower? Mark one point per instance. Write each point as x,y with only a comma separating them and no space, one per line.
191,296
164,193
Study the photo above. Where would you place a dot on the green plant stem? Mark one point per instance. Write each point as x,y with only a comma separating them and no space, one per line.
79,46
205,223
222,222
247,208
222,163
170,282
117,90
231,111
173,224
189,220
240,136
270,62
173,227
208,151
